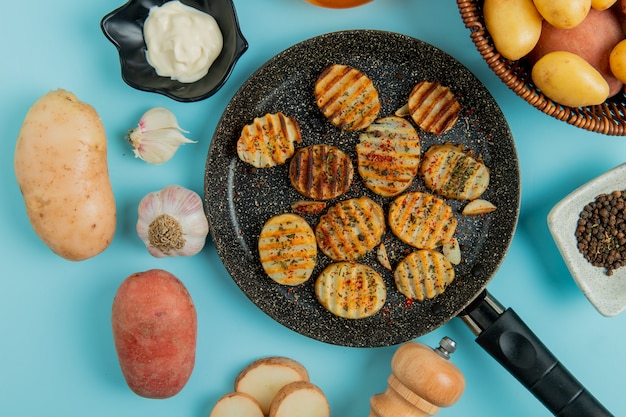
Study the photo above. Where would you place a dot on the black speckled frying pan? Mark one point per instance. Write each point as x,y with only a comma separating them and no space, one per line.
239,199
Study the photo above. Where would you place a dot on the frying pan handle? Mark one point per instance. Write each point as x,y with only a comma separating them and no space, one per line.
504,336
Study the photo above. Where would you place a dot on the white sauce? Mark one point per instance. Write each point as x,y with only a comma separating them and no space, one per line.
182,42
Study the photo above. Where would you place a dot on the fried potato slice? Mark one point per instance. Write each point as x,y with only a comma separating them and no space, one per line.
388,155
434,107
269,140
351,290
347,97
350,229
288,249
422,220
321,172
451,171
423,274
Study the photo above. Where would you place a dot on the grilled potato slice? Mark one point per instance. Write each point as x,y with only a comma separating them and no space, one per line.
423,274
388,155
350,229
321,171
422,220
434,107
351,290
287,249
347,97
269,140
450,170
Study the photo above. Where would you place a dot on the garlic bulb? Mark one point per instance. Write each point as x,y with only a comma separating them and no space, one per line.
157,137
172,222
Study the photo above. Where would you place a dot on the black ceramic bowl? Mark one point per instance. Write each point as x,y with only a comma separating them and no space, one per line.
124,28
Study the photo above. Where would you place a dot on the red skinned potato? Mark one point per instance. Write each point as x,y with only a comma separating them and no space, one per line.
592,40
155,330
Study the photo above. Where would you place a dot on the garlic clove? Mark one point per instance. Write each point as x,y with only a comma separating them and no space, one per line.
157,136
172,222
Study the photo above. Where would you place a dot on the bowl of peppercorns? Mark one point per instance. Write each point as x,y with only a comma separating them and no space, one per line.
589,229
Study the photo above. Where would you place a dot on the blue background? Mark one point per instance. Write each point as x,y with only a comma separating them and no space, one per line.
56,349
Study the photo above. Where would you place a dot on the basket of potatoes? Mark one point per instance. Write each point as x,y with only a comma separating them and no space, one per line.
565,57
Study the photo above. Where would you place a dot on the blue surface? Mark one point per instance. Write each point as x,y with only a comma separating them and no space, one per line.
56,349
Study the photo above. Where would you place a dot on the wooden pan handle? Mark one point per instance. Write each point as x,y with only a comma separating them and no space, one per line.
422,381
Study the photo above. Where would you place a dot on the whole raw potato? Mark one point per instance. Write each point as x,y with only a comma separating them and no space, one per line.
514,26
61,168
593,39
155,330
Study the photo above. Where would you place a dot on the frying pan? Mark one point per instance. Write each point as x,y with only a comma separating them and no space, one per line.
240,198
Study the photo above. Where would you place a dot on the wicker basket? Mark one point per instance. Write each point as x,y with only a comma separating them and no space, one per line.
608,118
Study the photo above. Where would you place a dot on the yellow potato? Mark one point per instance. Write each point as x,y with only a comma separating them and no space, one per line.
563,14
514,25
617,61
61,168
602,4
569,80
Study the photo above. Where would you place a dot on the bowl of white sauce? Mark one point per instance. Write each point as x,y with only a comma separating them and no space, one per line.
183,49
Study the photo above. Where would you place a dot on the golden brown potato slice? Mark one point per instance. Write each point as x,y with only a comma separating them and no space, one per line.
288,249
351,290
422,220
434,107
388,155
423,274
269,140
450,170
347,97
350,229
321,171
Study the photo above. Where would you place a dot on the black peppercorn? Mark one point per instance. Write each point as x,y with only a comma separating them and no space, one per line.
601,231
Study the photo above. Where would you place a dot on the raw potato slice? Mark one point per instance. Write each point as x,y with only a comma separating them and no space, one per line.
423,274
351,290
388,155
347,97
237,404
350,229
434,107
321,172
422,220
269,140
264,378
451,171
300,399
288,249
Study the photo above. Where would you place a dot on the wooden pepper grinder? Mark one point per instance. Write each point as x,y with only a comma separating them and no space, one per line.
422,380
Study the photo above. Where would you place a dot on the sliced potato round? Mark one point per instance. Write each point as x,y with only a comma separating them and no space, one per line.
301,399
321,171
237,404
388,155
434,107
347,97
264,378
269,140
288,249
451,171
422,220
423,274
350,229
351,290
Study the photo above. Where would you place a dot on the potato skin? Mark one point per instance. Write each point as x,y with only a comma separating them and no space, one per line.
60,164
154,326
